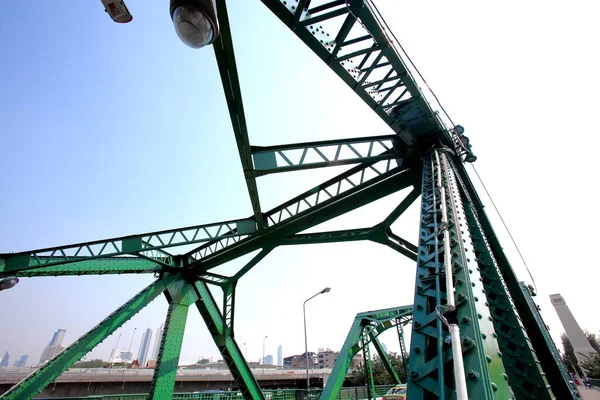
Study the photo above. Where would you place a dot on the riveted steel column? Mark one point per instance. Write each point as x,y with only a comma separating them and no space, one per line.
180,296
524,372
431,369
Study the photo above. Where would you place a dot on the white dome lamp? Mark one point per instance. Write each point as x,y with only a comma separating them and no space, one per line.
195,21
9,282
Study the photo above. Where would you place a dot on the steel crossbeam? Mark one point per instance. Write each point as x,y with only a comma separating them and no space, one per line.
148,245
98,266
330,153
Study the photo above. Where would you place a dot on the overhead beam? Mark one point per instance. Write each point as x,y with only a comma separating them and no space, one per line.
147,245
353,198
327,190
223,47
98,266
330,153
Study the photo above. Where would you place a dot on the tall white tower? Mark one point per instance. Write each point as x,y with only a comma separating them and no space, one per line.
581,346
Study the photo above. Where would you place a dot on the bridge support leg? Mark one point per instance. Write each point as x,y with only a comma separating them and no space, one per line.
180,296
534,331
431,368
226,343
36,382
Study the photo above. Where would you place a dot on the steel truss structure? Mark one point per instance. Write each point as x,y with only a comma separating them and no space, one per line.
365,330
501,338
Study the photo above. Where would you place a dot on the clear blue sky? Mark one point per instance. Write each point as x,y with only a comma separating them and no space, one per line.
108,130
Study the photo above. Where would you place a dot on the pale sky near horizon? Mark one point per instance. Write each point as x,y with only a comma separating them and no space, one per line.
109,130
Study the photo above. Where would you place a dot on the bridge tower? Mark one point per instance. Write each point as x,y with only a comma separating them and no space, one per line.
474,334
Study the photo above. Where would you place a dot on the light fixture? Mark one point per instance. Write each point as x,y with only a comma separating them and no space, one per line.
117,10
7,283
195,21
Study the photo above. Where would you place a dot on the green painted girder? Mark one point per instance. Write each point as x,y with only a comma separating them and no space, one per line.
524,371
431,362
180,296
535,332
224,54
39,379
343,183
329,153
365,328
527,293
98,266
372,190
147,245
347,235
226,344
386,360
366,61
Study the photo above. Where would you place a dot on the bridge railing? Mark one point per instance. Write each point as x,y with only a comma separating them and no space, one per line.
347,393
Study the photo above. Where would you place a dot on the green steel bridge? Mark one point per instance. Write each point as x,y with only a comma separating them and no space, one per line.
475,330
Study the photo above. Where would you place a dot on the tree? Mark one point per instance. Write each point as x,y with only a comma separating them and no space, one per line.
569,356
592,366
380,375
593,339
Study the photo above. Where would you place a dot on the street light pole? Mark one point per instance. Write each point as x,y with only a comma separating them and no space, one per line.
263,357
326,290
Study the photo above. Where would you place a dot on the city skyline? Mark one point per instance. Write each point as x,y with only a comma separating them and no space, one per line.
55,117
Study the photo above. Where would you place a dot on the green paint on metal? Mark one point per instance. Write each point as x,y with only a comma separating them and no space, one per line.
400,103
180,295
327,153
365,328
430,357
224,340
98,266
384,357
132,244
225,56
535,331
35,382
528,293
525,374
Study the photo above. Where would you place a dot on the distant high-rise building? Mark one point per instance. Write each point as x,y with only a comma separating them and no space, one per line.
581,346
268,360
280,356
384,347
144,348
5,360
22,362
57,338
157,340
54,347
